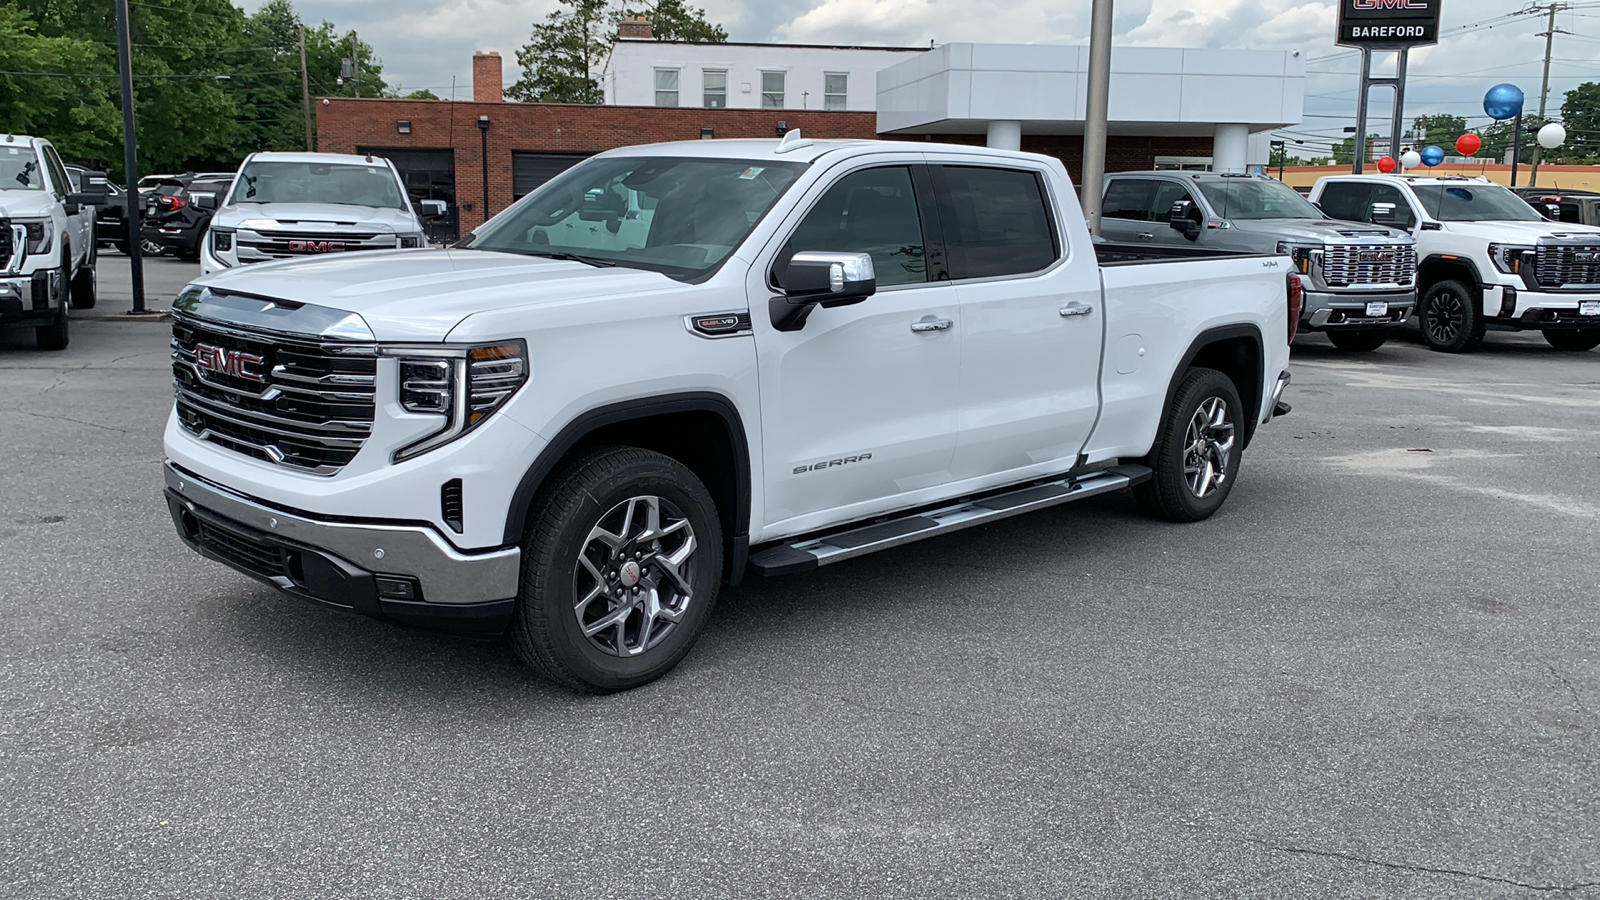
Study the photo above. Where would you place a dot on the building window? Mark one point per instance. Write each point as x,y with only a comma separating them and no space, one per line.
666,87
772,90
716,88
1183,163
835,90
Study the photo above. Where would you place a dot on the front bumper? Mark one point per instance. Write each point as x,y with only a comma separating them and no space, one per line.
28,299
1508,308
182,239
1325,310
401,573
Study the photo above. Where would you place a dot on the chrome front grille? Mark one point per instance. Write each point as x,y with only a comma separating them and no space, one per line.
1366,265
1562,264
259,245
298,402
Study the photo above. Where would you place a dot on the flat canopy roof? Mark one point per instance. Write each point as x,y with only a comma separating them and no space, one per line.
961,88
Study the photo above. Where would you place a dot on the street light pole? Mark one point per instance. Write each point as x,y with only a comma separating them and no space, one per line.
483,133
305,86
1094,126
130,160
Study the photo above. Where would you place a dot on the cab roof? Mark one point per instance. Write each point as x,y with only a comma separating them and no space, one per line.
794,147
348,159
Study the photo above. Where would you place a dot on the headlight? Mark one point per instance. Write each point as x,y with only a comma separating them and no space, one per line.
412,241
1508,258
221,239
1300,254
40,233
462,386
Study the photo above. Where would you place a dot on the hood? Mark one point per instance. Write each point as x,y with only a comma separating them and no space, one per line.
420,295
26,204
1319,230
1520,232
319,217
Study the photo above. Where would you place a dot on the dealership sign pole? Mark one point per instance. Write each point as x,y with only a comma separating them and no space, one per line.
1385,25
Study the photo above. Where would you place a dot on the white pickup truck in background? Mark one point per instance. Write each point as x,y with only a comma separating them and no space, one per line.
674,363
1486,260
47,240
286,205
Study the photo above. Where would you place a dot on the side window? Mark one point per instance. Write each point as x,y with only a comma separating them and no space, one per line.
996,221
871,211
1386,193
58,172
1128,198
1346,200
1166,194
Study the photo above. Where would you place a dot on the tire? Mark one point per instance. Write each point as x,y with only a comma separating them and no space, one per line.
1362,340
54,336
1195,460
1576,340
1450,318
573,578
151,248
122,247
84,289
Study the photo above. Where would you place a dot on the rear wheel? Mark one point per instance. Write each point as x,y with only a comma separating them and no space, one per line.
1451,321
1195,459
620,570
1576,339
1362,340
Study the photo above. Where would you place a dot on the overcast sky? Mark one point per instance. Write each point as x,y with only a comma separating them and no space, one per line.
423,45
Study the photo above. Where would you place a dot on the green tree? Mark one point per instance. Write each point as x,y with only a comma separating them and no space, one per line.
66,97
1580,113
1344,152
1441,129
567,52
672,20
1497,139
423,94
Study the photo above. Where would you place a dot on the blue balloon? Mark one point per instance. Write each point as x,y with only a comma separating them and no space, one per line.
1504,101
1432,155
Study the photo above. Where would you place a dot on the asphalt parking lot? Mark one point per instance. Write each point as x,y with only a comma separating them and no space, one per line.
1374,674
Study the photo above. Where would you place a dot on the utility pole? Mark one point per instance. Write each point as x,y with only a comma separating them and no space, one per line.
355,61
1094,125
130,160
305,86
1544,88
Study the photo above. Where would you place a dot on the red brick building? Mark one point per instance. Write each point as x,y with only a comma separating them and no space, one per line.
444,149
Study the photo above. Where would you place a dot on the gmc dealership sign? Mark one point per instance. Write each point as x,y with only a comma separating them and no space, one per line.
1388,23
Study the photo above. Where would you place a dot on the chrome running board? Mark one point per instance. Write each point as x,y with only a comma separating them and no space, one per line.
810,552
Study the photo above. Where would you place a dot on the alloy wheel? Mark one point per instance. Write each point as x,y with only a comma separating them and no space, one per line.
633,582
1208,447
1444,317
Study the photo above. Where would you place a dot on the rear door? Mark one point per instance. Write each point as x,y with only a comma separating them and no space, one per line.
1031,320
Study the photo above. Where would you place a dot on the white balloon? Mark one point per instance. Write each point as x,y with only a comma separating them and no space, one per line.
1411,159
1552,136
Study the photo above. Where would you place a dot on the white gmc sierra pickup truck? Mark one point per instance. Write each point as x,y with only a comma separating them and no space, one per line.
674,363
47,242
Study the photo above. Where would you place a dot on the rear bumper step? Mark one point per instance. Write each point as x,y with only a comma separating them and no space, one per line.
809,553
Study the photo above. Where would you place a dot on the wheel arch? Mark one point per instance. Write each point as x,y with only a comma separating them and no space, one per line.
1437,267
1236,351
702,430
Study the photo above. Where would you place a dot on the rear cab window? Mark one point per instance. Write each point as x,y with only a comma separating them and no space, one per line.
996,221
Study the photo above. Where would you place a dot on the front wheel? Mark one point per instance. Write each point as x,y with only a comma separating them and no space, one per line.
1361,340
1195,460
54,336
1576,339
84,288
620,570
1451,320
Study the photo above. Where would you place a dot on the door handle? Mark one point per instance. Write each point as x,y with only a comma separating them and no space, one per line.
1146,236
931,324
1075,309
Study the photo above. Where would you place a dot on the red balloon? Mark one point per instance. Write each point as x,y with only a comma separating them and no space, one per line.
1386,165
1468,144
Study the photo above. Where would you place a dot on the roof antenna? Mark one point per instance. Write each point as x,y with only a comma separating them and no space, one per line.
792,141
369,157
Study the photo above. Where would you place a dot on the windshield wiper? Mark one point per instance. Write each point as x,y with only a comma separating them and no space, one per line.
599,262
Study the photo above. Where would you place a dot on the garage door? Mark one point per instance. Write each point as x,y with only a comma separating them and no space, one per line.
529,170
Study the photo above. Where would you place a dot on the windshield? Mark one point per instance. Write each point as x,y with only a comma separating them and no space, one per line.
19,170
676,215
1256,199
348,184
1477,202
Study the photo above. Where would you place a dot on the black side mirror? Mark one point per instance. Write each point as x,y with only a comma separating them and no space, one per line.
431,209
205,200
1186,217
1382,214
821,278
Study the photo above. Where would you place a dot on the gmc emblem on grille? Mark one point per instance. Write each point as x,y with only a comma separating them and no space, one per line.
1586,256
316,246
224,362
1377,256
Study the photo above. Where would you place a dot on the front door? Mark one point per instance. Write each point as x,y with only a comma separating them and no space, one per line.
1166,194
857,406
